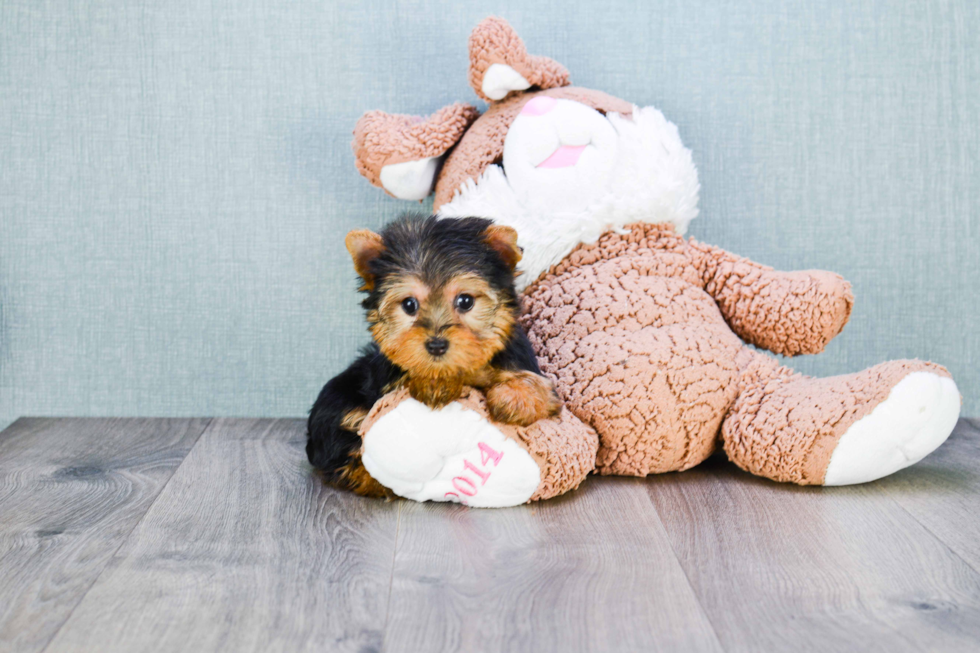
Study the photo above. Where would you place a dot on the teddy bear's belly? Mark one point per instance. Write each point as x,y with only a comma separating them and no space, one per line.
648,361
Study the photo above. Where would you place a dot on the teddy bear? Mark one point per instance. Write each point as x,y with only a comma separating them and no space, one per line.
654,341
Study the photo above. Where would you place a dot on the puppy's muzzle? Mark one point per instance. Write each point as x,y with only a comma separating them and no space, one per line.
437,346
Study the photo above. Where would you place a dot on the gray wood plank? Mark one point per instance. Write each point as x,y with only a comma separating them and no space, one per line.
943,492
244,551
592,570
71,491
781,567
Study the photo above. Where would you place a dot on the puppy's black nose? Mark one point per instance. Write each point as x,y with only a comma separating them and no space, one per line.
436,346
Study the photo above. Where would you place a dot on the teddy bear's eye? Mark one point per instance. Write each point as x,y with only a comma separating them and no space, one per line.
410,305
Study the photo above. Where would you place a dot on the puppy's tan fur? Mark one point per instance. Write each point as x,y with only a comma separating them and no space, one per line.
475,336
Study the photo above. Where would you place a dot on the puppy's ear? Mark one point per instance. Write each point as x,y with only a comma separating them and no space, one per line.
364,246
503,240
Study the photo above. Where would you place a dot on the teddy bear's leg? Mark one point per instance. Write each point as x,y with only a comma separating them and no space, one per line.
458,454
426,455
840,430
655,396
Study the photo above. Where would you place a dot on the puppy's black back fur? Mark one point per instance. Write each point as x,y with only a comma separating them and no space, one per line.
328,444
434,249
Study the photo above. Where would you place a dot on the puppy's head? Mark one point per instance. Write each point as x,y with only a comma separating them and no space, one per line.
440,292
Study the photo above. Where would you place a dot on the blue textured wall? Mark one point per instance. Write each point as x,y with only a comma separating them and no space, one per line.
176,178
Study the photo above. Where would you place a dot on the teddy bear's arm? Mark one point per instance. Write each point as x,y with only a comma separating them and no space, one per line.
788,313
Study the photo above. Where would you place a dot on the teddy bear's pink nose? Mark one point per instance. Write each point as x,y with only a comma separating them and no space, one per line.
539,106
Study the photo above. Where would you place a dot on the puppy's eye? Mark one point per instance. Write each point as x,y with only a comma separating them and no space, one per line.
410,305
464,302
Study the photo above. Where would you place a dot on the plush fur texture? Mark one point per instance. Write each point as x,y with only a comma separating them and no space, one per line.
382,139
660,373
646,334
496,42
442,309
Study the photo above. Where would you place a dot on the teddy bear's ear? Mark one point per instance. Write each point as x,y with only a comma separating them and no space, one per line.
401,154
499,63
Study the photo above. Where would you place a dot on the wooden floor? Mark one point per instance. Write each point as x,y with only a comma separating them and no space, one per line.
211,535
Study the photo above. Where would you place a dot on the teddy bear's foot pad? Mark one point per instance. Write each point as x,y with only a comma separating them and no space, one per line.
448,454
917,417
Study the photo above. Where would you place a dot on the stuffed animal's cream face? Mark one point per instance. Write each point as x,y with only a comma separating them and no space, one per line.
570,174
559,155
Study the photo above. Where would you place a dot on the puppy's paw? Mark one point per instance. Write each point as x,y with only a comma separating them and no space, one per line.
522,398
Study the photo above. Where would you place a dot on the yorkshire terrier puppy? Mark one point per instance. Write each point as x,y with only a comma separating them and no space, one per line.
443,312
